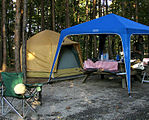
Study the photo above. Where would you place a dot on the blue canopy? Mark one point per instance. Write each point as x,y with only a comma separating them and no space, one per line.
109,24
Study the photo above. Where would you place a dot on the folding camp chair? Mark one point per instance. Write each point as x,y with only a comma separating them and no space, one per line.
11,99
145,72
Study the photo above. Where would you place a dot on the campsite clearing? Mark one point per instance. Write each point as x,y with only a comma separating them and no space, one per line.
94,100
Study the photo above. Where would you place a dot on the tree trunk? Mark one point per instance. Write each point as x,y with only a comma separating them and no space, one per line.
42,16
83,55
4,65
136,10
113,47
94,37
24,39
86,37
106,7
100,9
53,14
38,25
100,14
78,15
17,36
87,11
90,47
9,46
94,9
67,14
47,12
103,8
123,6
30,19
110,48
74,4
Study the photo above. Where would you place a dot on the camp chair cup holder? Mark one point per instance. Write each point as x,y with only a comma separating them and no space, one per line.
35,90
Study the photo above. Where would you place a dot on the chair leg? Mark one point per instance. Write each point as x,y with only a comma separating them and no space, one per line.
12,107
40,96
2,102
23,107
24,112
143,77
30,106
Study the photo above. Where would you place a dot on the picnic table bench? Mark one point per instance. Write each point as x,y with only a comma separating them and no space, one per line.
94,71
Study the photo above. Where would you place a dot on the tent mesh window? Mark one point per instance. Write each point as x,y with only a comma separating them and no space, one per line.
68,58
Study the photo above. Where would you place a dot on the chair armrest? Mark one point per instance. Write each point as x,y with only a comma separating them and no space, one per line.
38,86
34,85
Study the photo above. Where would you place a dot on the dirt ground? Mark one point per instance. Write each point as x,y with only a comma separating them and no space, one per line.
97,99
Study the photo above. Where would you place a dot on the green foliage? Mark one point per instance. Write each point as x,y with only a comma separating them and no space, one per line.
127,8
144,12
77,15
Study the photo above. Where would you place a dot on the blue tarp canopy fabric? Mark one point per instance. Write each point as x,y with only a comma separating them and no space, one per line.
109,24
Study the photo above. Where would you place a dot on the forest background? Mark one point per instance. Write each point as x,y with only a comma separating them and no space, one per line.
22,19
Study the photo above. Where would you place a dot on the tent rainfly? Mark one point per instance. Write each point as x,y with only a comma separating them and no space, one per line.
41,50
109,24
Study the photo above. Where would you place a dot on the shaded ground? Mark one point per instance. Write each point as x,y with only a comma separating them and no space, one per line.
94,100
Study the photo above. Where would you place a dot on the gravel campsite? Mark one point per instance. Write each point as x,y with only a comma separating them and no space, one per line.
97,99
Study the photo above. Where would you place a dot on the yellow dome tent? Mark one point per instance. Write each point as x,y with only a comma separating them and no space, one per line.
41,49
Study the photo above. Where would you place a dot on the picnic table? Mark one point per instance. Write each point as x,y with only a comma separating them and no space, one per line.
110,67
116,68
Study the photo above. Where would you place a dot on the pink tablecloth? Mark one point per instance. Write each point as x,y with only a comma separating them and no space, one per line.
145,61
106,65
